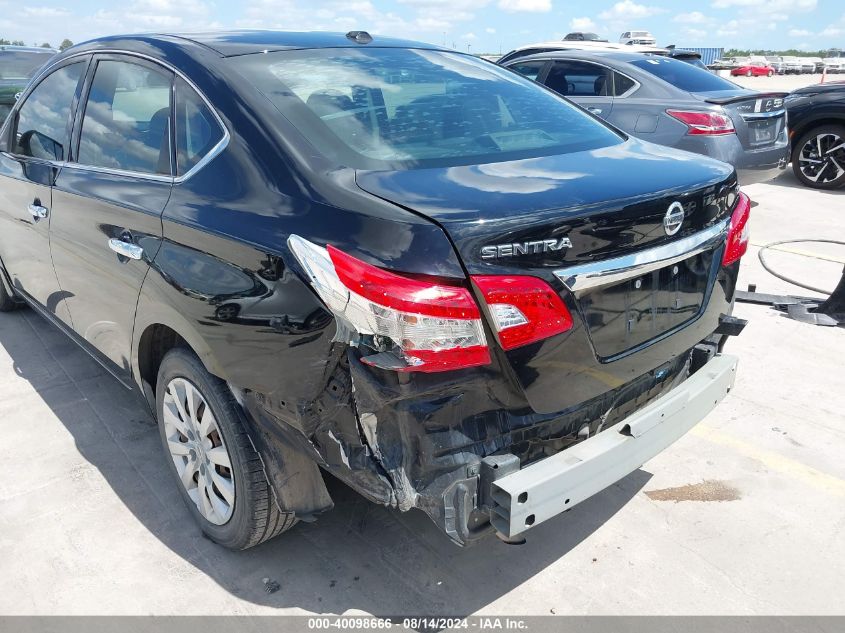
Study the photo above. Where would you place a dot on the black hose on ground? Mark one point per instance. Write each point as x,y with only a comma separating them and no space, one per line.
788,279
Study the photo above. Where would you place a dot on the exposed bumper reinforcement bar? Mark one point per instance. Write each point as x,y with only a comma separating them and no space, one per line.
543,490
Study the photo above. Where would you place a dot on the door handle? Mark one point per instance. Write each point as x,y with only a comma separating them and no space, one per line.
596,111
38,212
126,249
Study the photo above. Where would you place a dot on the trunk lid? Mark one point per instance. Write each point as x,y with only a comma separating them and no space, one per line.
759,118
610,204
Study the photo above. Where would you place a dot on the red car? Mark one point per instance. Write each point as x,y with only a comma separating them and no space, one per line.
753,71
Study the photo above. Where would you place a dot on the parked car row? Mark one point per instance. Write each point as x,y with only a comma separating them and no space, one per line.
672,103
659,99
780,64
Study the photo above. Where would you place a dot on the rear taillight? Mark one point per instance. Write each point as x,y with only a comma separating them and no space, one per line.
415,325
738,232
524,309
704,123
410,325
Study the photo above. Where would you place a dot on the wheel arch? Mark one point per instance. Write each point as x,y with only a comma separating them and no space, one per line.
809,124
158,329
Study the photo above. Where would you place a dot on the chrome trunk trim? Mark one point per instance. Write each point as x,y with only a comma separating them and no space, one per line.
610,271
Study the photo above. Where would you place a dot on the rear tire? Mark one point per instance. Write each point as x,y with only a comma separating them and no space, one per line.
748,73
218,471
813,162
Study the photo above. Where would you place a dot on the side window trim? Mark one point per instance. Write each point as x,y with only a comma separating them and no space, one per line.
214,151
140,60
217,149
630,91
9,128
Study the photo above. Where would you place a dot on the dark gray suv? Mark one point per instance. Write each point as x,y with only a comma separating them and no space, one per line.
670,102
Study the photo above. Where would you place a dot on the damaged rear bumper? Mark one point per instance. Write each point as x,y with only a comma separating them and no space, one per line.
522,499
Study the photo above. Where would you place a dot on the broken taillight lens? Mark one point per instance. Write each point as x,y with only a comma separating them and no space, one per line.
411,325
738,232
524,309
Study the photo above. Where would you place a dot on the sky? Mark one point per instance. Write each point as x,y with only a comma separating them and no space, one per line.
480,26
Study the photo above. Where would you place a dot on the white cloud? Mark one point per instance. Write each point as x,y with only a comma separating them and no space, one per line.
428,17
469,36
832,31
490,30
582,24
628,9
784,6
45,12
729,29
695,35
695,17
530,6
799,33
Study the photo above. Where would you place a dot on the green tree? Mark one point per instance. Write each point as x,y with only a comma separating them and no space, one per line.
46,45
66,43
18,43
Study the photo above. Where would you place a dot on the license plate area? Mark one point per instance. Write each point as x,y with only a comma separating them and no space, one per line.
763,132
632,312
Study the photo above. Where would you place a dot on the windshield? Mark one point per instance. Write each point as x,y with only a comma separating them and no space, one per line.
684,76
388,108
21,65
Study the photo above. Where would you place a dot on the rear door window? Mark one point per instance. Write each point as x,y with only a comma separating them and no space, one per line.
622,85
682,75
579,79
197,129
529,69
42,130
126,125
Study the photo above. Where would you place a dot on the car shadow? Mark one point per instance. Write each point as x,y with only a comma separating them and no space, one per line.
359,556
788,179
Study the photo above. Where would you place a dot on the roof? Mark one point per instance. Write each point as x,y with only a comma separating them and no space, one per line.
618,56
230,43
592,45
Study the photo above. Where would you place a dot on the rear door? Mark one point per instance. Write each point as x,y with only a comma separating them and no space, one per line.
587,84
36,141
109,198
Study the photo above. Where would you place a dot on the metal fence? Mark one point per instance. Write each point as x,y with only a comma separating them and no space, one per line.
708,55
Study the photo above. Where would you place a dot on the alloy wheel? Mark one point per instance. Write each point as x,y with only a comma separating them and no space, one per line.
198,451
822,158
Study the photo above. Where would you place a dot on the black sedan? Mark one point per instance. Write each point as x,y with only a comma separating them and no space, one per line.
400,264
817,133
